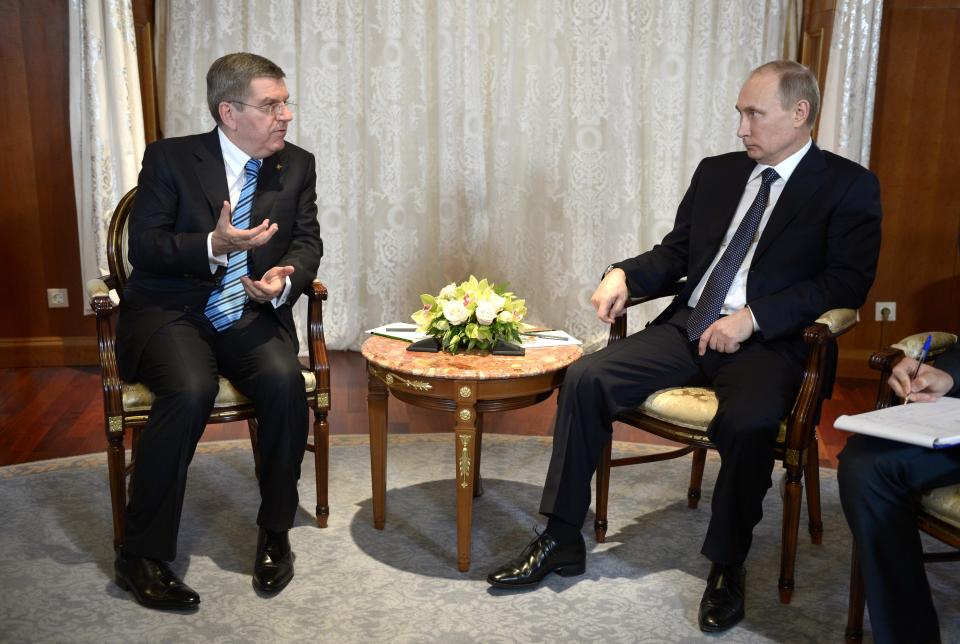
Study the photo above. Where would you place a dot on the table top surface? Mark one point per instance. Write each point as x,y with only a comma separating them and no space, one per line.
392,354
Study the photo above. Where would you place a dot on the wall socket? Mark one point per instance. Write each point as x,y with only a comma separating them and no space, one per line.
57,298
892,306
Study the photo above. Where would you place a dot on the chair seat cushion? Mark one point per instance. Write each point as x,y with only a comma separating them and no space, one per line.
943,503
136,397
690,407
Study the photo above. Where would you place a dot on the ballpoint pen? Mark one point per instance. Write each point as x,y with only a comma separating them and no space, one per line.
545,336
920,360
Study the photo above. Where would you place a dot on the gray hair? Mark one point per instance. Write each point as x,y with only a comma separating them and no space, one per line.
228,78
797,83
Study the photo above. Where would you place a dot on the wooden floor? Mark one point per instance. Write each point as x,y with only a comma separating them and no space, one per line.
58,411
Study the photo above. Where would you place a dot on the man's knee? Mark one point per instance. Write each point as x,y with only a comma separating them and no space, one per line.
193,391
858,466
280,379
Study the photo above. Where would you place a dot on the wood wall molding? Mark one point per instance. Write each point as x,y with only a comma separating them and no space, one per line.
54,351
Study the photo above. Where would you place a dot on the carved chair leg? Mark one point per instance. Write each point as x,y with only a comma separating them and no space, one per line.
854,632
812,468
255,444
321,463
603,489
792,495
116,467
696,477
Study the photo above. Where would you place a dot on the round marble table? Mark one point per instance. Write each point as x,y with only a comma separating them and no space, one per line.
469,384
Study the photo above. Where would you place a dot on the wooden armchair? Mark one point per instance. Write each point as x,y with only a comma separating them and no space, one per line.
127,405
682,414
938,511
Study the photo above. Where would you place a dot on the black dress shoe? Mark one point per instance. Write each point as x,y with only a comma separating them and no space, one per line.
722,603
273,569
152,583
543,556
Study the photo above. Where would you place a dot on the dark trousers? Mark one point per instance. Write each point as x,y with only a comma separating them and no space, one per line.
755,387
180,365
879,481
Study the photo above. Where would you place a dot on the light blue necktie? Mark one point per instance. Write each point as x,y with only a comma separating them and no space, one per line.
707,310
225,305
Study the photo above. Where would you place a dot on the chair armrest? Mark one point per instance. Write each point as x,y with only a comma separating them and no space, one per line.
618,328
912,345
316,293
839,321
103,301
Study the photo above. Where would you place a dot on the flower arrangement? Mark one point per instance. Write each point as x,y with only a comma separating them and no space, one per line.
471,315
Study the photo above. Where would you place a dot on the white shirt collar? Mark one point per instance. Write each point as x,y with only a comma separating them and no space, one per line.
233,157
786,167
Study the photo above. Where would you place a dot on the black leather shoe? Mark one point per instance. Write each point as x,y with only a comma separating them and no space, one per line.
152,583
541,557
273,569
722,603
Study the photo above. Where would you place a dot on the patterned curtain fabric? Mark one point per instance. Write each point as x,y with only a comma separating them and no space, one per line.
106,120
850,89
528,142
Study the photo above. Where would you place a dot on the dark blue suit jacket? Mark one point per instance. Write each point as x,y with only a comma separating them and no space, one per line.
181,189
817,252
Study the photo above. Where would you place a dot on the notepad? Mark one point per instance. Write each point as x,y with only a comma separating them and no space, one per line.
929,424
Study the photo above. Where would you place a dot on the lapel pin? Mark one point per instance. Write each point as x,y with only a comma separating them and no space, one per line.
279,165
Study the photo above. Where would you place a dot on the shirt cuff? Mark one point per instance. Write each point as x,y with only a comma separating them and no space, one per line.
281,299
216,261
756,327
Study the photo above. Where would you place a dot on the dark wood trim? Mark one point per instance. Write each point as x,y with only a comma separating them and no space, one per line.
48,351
143,20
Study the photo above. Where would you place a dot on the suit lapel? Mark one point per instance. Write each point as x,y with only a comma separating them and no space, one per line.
211,173
804,183
268,187
729,190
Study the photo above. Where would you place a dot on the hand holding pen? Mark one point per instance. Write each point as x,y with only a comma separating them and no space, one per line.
916,372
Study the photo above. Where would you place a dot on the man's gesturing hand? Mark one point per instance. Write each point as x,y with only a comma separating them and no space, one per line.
269,286
610,298
226,238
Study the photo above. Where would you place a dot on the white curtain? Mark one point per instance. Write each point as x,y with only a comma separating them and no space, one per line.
850,89
532,142
106,119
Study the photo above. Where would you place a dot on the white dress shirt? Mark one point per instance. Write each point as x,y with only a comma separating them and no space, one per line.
234,160
737,295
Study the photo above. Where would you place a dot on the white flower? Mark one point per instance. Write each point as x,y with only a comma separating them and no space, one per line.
496,300
448,292
486,312
505,316
455,312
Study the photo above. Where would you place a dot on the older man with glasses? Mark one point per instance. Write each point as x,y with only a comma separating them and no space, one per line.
223,239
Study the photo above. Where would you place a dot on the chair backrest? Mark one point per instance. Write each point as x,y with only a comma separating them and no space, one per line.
118,235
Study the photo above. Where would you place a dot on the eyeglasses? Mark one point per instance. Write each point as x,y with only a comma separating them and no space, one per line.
271,109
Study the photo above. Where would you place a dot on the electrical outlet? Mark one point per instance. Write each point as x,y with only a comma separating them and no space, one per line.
891,313
57,298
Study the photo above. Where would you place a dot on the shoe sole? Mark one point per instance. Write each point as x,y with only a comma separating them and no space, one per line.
566,570
123,584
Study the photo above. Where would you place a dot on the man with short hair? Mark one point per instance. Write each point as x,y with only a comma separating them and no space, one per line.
767,239
223,240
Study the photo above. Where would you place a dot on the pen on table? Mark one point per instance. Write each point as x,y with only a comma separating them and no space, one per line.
403,329
545,336
920,360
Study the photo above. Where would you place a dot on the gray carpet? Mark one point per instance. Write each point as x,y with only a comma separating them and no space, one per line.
357,584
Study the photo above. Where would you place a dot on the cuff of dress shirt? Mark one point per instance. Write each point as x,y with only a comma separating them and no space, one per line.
216,261
756,327
279,300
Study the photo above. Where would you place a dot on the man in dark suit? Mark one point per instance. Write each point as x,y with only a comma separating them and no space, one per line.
879,482
768,239
211,293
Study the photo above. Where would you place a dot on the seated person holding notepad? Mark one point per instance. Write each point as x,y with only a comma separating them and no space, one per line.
879,480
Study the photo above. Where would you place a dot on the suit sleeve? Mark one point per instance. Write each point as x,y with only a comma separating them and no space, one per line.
852,248
156,246
950,362
306,247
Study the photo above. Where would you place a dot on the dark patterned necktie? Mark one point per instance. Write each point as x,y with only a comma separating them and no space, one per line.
707,310
225,305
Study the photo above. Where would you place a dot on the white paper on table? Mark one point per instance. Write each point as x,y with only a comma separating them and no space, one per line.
399,331
538,341
928,424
